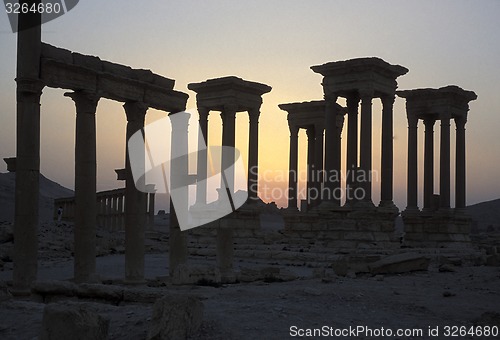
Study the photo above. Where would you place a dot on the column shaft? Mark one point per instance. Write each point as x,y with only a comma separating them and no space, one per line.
444,169
429,163
412,193
332,155
365,159
201,185
460,167
85,186
386,192
135,200
318,162
293,167
29,90
179,172
228,139
310,166
253,155
352,145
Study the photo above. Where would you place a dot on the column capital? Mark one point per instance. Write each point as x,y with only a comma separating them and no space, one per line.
254,114
460,122
310,132
388,99
429,122
412,120
319,129
331,97
29,87
353,99
203,112
85,102
366,94
135,110
294,129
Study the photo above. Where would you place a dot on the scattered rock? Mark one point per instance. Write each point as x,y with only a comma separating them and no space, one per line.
379,277
312,291
190,274
446,268
63,288
73,321
400,263
488,319
4,292
447,293
176,317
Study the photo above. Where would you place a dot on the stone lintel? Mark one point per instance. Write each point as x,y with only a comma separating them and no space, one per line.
306,114
372,74
64,69
244,95
427,102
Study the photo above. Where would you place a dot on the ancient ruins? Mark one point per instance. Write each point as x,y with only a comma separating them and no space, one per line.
330,224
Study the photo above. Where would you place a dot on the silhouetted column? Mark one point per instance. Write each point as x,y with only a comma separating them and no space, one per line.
253,155
310,165
352,144
29,90
365,158
332,155
120,212
444,169
386,192
318,161
151,209
460,171
412,198
136,202
178,253
428,163
228,139
293,167
85,185
225,246
201,185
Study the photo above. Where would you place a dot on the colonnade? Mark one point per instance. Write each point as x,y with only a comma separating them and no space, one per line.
433,105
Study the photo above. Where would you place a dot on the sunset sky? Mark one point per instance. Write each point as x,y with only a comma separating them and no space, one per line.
273,42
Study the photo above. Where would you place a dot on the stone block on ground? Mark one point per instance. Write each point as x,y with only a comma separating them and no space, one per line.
400,263
176,317
73,321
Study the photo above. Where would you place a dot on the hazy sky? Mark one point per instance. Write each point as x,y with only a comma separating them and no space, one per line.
273,42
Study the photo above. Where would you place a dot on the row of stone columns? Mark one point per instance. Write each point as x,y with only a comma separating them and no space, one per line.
431,105
315,142
444,164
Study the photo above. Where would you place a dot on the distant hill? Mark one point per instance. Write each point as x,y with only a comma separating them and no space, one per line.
48,191
486,215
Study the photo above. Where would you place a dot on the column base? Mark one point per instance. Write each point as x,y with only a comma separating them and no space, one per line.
410,211
134,281
20,292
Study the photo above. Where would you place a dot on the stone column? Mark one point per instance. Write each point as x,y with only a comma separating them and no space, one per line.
179,173
85,185
318,161
352,145
151,209
225,246
253,155
412,198
293,167
135,206
460,167
332,155
365,157
29,90
310,165
201,185
387,161
120,212
444,168
228,139
428,163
